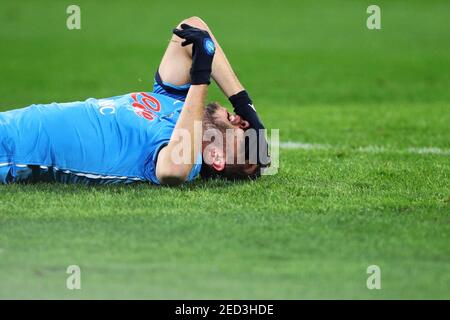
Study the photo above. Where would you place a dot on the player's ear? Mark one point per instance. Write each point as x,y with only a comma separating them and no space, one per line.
214,158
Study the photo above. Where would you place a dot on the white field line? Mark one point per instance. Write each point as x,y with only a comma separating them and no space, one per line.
365,149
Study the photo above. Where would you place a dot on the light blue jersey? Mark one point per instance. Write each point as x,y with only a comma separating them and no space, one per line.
110,140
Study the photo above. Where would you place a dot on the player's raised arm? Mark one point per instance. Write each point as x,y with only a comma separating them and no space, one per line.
225,77
169,170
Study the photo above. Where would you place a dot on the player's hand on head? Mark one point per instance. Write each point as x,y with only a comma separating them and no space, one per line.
203,49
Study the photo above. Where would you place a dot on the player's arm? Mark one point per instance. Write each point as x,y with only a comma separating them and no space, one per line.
169,170
177,61
225,77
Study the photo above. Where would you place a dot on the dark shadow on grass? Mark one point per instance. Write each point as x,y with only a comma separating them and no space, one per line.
67,188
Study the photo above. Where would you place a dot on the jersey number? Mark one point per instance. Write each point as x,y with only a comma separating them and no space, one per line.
145,105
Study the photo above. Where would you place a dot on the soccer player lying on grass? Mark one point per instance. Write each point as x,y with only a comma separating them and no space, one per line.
137,136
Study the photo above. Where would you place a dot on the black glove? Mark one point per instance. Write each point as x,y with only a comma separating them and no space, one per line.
203,50
243,106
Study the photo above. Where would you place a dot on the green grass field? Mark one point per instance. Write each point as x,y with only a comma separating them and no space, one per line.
359,196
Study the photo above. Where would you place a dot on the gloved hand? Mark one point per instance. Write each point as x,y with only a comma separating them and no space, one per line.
243,106
203,50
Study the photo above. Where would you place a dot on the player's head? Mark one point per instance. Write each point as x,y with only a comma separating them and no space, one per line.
225,151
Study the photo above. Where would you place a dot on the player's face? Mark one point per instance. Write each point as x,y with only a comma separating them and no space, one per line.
221,118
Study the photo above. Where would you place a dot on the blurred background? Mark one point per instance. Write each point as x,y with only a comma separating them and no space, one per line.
288,54
314,71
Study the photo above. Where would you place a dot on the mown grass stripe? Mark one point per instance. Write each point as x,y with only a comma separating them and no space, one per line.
365,149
